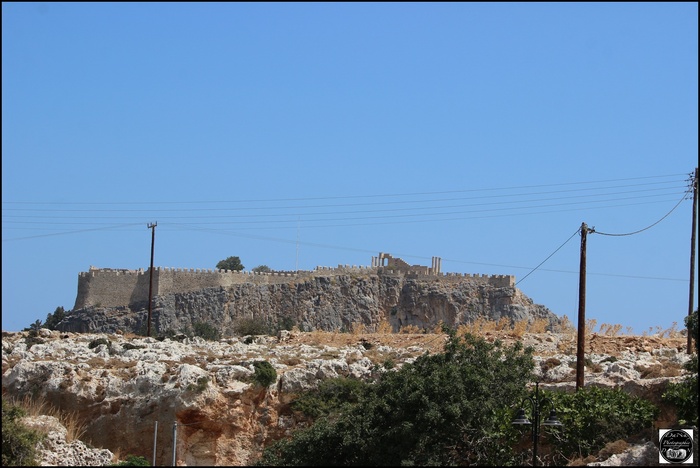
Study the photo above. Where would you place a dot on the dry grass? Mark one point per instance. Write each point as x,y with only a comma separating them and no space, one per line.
358,329
538,326
384,327
671,332
589,328
410,330
75,427
610,330
566,327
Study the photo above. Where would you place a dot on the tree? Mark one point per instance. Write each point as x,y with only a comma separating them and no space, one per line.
231,263
53,319
452,408
262,269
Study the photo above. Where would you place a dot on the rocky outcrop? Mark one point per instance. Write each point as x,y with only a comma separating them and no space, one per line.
329,303
207,410
55,450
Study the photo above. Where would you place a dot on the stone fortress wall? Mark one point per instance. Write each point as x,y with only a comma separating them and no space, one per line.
108,287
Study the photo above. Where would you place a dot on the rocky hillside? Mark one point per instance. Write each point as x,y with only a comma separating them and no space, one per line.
209,411
319,303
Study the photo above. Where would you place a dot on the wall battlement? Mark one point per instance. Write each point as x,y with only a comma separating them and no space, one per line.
110,287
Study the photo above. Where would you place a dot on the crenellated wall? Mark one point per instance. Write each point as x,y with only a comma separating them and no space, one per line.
107,287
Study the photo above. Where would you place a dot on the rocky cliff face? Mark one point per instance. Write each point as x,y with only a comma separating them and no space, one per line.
329,303
209,411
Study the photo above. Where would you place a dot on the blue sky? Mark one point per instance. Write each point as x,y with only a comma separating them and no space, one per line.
297,135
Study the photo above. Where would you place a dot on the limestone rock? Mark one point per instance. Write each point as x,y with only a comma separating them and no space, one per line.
222,416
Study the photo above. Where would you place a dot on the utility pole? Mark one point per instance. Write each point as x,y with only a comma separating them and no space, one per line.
175,443
691,298
152,227
155,443
580,347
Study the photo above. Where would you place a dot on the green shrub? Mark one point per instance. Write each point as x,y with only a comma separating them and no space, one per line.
440,410
594,416
99,341
329,397
250,326
18,442
128,346
284,323
201,385
32,337
264,374
684,395
206,331
133,460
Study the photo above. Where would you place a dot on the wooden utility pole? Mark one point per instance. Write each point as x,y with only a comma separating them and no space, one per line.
691,298
580,347
152,227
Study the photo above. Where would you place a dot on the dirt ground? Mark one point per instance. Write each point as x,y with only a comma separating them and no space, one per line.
544,343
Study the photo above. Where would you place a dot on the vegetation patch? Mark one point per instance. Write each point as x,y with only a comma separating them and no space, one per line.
264,373
18,442
200,386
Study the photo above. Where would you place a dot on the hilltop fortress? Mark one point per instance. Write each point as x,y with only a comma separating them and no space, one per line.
107,287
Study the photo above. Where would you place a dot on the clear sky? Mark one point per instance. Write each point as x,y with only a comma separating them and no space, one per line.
297,135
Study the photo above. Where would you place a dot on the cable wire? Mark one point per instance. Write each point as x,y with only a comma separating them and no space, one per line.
651,225
550,256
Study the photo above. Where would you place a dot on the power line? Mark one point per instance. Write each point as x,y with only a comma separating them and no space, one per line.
651,225
550,255
385,210
395,202
351,196
504,211
70,232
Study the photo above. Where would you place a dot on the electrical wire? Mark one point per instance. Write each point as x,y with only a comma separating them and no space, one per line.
651,225
550,256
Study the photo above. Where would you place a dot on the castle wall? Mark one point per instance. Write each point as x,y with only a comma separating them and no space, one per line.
105,287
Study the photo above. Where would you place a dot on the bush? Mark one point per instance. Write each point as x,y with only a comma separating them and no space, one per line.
201,385
250,326
443,409
264,374
18,442
594,416
206,331
99,341
32,337
133,460
684,395
330,397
